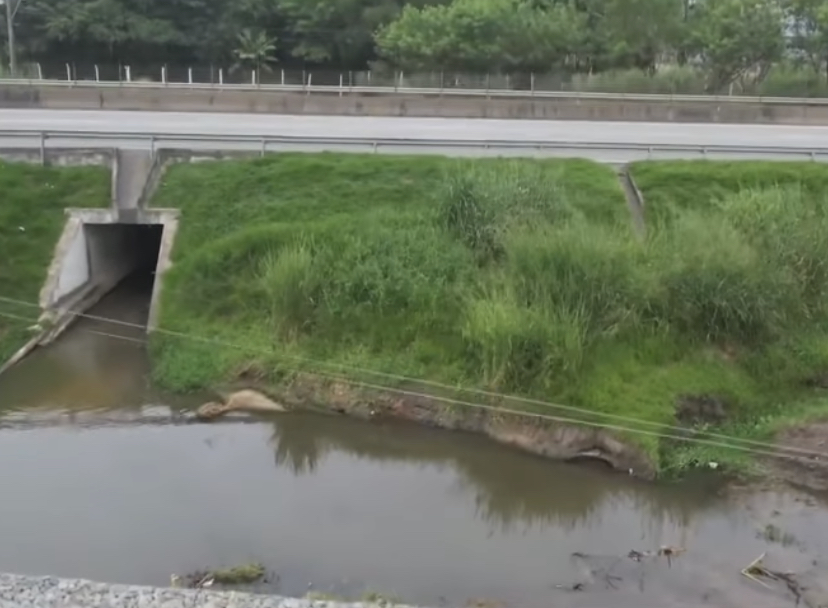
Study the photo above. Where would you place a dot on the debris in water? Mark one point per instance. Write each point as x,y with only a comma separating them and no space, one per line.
245,574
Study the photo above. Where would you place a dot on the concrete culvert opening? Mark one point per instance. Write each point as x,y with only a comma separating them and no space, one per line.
123,251
123,259
100,258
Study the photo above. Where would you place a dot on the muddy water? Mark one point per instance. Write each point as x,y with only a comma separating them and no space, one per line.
344,507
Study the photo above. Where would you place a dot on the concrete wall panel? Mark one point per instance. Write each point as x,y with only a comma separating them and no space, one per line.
272,102
74,270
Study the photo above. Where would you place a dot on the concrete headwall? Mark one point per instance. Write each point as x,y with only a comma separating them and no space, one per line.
273,102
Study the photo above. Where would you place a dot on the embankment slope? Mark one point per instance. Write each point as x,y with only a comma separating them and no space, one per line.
519,277
32,203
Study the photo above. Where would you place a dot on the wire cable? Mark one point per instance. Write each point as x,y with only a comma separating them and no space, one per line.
807,455
490,394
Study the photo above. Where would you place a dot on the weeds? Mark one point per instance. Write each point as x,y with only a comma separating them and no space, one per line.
520,276
31,218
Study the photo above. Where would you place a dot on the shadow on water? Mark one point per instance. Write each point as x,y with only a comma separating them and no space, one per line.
432,517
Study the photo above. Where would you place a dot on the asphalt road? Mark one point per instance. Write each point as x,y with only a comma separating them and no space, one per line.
414,128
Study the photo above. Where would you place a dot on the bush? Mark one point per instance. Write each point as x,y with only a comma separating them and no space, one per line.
713,284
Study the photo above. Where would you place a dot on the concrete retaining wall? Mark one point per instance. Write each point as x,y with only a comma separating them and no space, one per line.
211,100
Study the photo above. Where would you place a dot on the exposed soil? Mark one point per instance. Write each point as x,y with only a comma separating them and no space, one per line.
537,436
812,472
700,409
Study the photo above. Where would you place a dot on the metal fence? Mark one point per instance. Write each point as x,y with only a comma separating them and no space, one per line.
670,81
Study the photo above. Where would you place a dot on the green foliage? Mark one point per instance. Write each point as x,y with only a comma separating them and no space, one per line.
31,219
519,276
682,46
738,39
482,35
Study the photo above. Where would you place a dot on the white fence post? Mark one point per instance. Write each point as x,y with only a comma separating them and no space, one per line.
283,77
340,84
190,75
253,77
68,73
310,78
39,71
221,76
97,73
128,74
164,74
532,81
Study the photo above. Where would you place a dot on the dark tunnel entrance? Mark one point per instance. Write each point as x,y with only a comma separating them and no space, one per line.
123,258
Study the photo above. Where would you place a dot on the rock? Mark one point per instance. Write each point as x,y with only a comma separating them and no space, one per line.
248,401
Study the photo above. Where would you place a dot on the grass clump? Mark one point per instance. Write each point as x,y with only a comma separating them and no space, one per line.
517,276
31,219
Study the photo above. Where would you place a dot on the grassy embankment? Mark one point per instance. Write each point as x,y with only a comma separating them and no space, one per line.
32,203
518,276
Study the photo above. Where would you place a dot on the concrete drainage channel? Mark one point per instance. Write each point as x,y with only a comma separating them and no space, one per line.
99,248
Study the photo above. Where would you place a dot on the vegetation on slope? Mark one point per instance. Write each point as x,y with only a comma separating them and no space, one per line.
32,203
523,277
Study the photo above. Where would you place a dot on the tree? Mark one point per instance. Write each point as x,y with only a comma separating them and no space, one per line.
11,6
738,39
809,24
482,35
640,32
255,50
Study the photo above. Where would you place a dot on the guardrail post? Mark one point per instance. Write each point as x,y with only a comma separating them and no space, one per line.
340,84
441,83
402,82
221,76
128,73
374,145
68,73
310,78
283,76
487,85
97,73
39,71
190,75
253,77
264,147
532,82
164,74
43,148
152,146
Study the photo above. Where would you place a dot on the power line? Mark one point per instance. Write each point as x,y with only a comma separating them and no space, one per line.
773,450
423,382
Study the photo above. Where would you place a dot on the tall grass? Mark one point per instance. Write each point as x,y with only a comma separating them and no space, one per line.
520,276
32,215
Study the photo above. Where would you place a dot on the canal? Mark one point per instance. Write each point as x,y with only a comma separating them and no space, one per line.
343,507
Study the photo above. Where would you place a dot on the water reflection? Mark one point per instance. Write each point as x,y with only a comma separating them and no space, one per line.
509,488
428,515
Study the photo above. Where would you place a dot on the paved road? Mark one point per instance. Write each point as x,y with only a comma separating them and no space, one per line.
414,128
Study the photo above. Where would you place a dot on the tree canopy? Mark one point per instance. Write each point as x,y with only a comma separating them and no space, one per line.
729,40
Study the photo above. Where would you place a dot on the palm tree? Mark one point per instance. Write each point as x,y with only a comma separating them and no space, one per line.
255,50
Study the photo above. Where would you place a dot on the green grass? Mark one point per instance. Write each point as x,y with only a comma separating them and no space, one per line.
523,277
670,186
32,200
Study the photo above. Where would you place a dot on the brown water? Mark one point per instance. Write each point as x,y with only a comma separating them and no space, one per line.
345,507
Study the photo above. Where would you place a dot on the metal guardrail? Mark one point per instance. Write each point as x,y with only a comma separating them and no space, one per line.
345,89
11,138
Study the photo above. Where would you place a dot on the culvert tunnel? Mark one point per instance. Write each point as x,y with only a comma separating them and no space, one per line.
99,259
